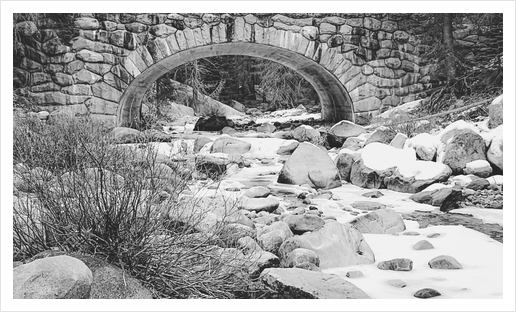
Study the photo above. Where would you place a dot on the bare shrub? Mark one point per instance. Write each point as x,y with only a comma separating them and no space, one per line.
124,204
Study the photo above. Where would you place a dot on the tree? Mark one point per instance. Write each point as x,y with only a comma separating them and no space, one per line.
447,41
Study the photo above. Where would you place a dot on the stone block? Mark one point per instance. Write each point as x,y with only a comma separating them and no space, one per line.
106,92
89,56
86,77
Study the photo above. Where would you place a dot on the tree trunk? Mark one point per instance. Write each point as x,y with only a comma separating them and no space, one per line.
448,43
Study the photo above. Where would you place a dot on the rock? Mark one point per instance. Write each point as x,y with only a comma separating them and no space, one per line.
479,184
445,197
397,283
199,142
342,130
433,235
237,231
266,128
308,266
496,112
344,162
238,106
495,151
463,148
425,145
125,135
300,256
268,204
354,143
480,168
457,127
229,131
212,123
373,194
426,293
303,223
60,277
365,177
288,147
335,244
257,192
382,221
262,260
298,168
381,135
297,283
423,245
306,133
444,263
248,245
411,233
415,176
399,140
354,274
255,112
367,205
229,145
399,264
496,179
272,236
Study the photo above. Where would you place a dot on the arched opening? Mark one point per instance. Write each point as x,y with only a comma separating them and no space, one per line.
335,102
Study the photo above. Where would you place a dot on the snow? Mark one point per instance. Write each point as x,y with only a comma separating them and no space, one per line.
285,117
421,170
378,156
486,215
436,186
455,126
480,256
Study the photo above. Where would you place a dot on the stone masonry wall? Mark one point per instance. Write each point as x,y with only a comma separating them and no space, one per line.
375,56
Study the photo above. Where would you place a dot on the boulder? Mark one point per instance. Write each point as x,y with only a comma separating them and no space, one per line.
248,245
238,106
174,109
342,130
373,194
463,148
478,185
426,293
299,168
266,128
300,256
229,131
344,162
288,147
335,244
272,236
260,261
415,176
354,274
425,145
459,126
306,133
445,263
480,168
297,283
60,277
399,264
365,177
229,145
257,192
423,245
397,283
399,140
367,205
381,221
268,204
381,135
212,123
446,198
495,151
299,224
496,112
199,142
354,143
125,135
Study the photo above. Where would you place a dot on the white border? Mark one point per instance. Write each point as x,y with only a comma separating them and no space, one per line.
8,8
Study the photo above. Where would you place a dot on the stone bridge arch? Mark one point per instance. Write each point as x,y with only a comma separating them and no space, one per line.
335,101
360,64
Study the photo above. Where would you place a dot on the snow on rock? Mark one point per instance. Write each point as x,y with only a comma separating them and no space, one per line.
450,131
381,221
496,179
425,144
305,133
378,156
496,112
463,148
480,168
414,176
310,165
462,179
229,145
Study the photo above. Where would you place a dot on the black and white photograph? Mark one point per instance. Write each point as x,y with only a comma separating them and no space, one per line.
352,154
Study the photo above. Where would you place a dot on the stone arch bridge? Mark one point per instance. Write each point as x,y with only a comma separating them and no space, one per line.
359,64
